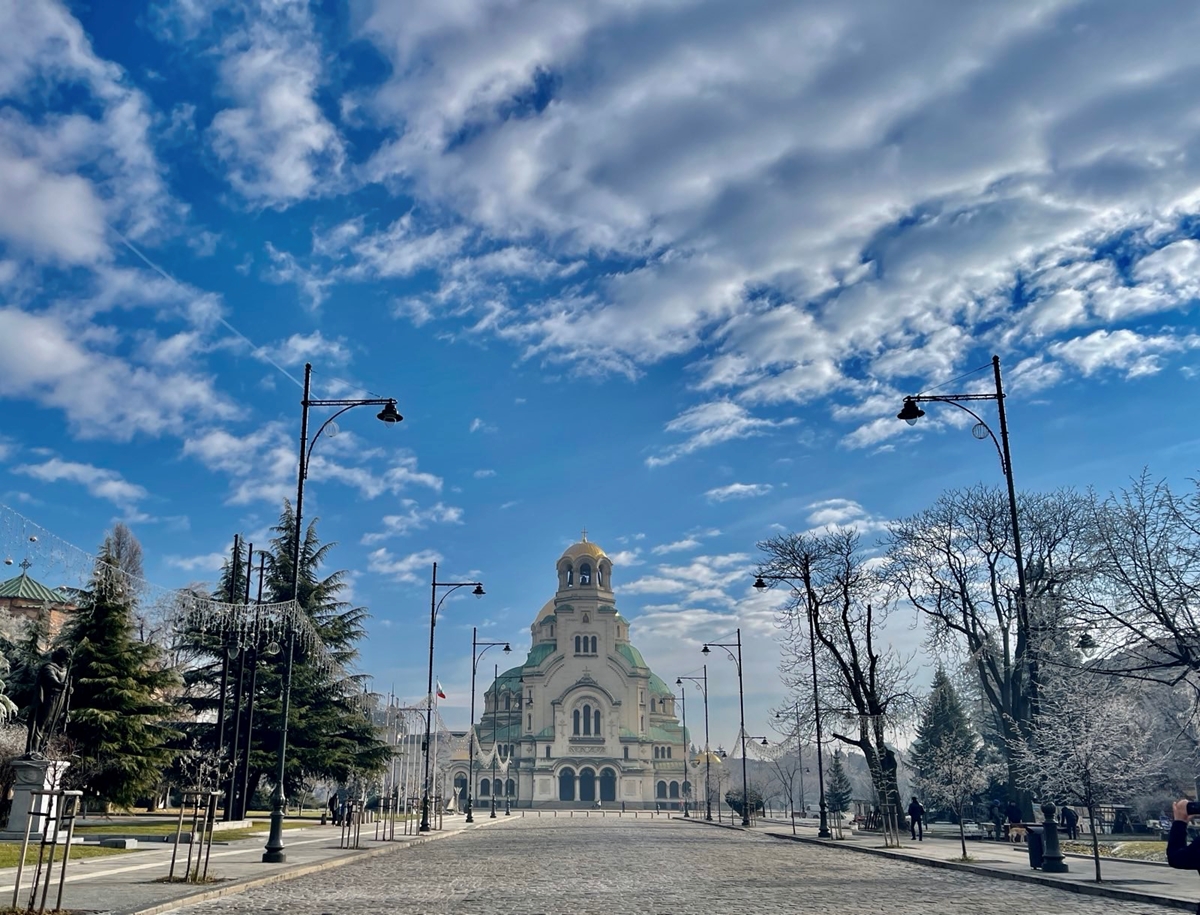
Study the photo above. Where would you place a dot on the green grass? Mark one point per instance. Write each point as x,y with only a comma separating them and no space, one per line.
10,853
168,829
1139,850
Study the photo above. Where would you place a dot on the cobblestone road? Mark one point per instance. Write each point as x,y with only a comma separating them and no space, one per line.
621,867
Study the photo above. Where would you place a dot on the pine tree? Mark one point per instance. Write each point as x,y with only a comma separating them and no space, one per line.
329,736
944,724
119,723
839,793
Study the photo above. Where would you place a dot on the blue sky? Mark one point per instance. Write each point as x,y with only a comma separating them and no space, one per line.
660,270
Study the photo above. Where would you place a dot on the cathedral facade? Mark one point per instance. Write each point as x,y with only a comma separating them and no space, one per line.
584,720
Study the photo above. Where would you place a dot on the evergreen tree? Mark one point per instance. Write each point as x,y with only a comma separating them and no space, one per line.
329,735
839,793
119,717
944,725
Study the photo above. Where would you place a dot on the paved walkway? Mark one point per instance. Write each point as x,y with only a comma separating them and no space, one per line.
1125,879
602,866
130,882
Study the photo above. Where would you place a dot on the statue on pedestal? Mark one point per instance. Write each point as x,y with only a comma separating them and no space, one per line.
49,712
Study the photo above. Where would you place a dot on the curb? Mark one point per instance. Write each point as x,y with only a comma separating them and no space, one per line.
1083,889
241,886
703,822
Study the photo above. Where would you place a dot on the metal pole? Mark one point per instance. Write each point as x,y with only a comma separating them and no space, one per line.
471,738
707,754
683,708
823,830
495,709
228,806
742,712
800,765
234,566
429,707
274,853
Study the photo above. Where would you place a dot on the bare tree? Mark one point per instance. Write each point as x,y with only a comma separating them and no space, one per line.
954,562
1143,607
835,590
1089,745
952,778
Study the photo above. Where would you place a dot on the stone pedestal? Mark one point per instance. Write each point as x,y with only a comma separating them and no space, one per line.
33,775
1052,856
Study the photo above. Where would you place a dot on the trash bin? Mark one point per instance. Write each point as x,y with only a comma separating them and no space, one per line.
1037,849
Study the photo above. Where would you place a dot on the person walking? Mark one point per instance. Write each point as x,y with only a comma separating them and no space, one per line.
1180,854
1070,822
997,820
916,820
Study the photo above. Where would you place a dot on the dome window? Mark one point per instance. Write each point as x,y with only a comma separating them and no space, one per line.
585,575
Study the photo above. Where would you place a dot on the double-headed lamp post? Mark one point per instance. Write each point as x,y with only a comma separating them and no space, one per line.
274,851
737,659
799,763
434,606
702,683
911,412
760,584
476,656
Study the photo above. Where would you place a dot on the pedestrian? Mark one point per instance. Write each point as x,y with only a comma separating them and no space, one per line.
1180,854
916,820
1070,822
997,820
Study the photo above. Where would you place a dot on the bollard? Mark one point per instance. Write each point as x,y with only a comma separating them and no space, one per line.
1052,856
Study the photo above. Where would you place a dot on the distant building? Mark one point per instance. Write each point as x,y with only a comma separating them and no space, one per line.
584,719
26,598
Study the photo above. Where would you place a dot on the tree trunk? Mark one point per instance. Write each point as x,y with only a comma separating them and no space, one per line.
1095,841
962,836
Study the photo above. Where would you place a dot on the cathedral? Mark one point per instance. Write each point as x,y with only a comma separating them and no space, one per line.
584,721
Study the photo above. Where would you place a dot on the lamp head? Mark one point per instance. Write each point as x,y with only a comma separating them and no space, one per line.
704,650
507,648
764,743
759,584
389,414
910,412
478,592
679,681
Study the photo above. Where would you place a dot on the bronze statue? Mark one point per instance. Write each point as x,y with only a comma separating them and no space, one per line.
53,691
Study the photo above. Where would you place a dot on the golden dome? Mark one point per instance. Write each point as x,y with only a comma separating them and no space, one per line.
546,610
583,548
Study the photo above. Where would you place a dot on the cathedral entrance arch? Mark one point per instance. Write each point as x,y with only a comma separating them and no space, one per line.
587,785
608,785
566,785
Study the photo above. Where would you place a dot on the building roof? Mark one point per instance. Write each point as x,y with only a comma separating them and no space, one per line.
631,654
25,588
584,547
539,652
658,687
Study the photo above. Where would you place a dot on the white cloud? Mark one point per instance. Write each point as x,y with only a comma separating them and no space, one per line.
626,558
483,474
688,543
479,425
300,348
831,513
277,143
99,481
709,424
414,518
1133,353
205,562
413,568
738,491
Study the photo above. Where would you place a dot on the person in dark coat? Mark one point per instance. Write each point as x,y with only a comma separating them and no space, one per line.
1069,820
997,820
916,820
1180,854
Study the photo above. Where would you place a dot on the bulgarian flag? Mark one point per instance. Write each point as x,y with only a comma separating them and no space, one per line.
441,694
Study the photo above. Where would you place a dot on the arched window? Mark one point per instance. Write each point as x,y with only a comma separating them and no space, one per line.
656,752
626,752
599,576
578,642
668,753
576,717
570,577
587,785
485,788
585,574
651,705
507,703
660,790
596,715
594,645
529,726
608,785
675,789
587,720
547,752
510,787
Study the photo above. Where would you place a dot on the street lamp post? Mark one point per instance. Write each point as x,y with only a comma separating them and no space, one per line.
476,657
760,584
434,606
737,659
911,412
686,783
702,683
495,715
274,851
